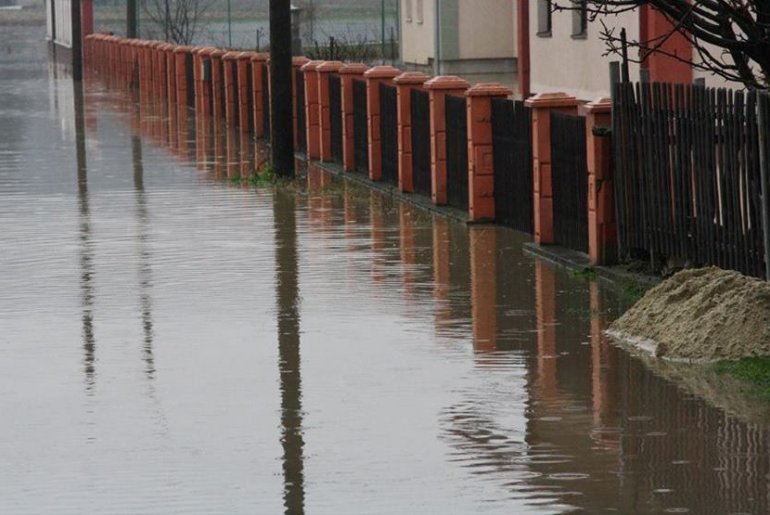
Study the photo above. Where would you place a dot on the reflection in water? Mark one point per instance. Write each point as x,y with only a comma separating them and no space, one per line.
86,250
287,293
145,271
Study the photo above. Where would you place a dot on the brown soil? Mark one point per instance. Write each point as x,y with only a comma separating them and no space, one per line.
704,314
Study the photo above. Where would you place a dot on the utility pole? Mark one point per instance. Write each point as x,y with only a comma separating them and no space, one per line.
382,29
77,41
131,31
281,97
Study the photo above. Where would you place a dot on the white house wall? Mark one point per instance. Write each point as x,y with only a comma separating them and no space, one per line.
575,66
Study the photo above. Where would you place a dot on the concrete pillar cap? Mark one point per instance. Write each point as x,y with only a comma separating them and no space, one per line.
411,78
182,49
260,57
447,82
489,89
382,72
599,106
329,67
299,61
558,99
230,56
311,66
354,69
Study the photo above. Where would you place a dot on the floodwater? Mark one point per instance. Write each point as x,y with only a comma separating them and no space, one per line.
174,342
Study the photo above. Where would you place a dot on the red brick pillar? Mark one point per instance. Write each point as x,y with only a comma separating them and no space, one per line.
258,67
481,170
181,55
324,70
198,78
160,70
231,87
602,235
244,69
312,109
542,105
171,74
375,77
206,90
404,84
439,88
347,74
217,84
296,64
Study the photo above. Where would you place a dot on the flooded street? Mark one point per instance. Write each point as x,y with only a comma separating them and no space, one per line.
172,341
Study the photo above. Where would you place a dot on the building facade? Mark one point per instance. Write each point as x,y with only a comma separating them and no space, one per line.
458,36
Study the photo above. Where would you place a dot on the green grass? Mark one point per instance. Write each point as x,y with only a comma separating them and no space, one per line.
265,177
587,273
755,372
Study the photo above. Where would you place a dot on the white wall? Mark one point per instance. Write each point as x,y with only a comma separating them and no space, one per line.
63,23
575,66
486,29
418,37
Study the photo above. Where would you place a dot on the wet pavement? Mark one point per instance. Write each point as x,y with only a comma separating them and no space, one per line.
172,341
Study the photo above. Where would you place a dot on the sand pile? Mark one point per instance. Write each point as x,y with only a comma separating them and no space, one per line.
701,315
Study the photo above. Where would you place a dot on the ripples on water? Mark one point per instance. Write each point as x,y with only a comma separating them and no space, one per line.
173,343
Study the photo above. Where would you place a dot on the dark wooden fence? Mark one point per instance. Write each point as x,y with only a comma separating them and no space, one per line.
569,181
299,78
335,112
688,176
389,133
265,101
457,151
512,156
421,154
360,126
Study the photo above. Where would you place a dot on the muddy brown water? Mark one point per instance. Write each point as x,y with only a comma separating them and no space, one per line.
171,342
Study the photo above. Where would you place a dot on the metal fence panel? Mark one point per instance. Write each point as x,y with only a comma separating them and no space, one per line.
301,115
335,112
360,126
421,153
512,157
389,133
569,181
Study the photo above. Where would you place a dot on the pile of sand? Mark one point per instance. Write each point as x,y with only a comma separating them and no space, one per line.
704,314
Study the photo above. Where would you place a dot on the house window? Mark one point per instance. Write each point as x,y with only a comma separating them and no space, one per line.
419,11
579,19
408,10
544,18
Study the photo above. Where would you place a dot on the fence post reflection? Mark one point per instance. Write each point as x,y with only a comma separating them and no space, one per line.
545,309
603,361
441,270
483,249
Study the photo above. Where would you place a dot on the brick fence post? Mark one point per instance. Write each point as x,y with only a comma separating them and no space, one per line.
481,169
312,110
297,63
184,94
324,71
206,82
375,77
170,75
244,71
258,67
404,84
438,88
347,74
602,235
542,106
197,54
231,88
217,85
